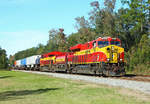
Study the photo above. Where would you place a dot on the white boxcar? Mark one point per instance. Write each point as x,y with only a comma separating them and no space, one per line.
31,61
18,63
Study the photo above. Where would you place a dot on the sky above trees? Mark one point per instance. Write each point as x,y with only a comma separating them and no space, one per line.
25,23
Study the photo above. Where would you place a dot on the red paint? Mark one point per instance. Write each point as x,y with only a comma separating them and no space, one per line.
122,56
95,57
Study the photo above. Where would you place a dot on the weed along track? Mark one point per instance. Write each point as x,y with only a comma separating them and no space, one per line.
126,82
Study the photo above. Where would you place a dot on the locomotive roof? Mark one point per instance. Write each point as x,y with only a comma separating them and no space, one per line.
53,53
89,45
78,46
107,39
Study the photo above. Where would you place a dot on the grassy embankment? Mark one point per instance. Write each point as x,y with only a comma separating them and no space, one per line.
141,70
26,88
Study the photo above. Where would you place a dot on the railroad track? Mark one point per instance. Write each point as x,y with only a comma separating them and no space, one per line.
133,77
143,78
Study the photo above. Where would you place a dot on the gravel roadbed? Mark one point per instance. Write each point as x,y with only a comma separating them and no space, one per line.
141,86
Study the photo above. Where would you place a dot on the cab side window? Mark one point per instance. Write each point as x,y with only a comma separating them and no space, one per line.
94,44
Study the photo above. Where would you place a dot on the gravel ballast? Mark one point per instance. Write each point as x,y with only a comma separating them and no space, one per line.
141,86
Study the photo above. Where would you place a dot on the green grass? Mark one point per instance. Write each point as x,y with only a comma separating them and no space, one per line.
27,88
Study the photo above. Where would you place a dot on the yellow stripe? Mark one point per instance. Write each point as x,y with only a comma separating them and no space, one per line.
82,62
47,58
104,50
60,60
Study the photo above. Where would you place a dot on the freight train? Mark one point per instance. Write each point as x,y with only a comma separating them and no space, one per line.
103,56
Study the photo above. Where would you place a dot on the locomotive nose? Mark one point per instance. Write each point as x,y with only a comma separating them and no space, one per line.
112,52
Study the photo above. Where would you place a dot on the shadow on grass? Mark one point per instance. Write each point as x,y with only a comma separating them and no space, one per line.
12,95
2,77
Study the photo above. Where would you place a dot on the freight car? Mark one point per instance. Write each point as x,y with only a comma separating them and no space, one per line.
103,56
33,62
29,63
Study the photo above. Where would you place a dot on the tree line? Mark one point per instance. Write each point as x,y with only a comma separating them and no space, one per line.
130,24
3,59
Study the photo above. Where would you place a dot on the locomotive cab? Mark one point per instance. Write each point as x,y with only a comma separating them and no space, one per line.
112,49
114,53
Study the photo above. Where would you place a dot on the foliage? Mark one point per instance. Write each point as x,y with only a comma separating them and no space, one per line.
57,40
103,19
11,60
140,55
3,58
136,34
25,53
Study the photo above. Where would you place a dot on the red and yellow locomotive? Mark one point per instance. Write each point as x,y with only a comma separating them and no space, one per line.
103,56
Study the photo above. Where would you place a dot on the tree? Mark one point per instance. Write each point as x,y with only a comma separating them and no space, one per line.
57,40
11,60
73,39
63,45
3,58
137,14
84,29
140,55
25,53
103,19
40,49
123,24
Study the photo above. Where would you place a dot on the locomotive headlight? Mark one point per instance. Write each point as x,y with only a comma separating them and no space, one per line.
108,60
112,47
120,59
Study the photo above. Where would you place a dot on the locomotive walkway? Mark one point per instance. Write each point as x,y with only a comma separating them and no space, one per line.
135,85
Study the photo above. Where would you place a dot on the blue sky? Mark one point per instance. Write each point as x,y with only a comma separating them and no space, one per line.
25,23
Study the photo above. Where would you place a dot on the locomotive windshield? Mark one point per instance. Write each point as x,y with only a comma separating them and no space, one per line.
115,43
106,43
103,43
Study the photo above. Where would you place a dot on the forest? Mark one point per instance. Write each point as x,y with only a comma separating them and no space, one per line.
130,24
